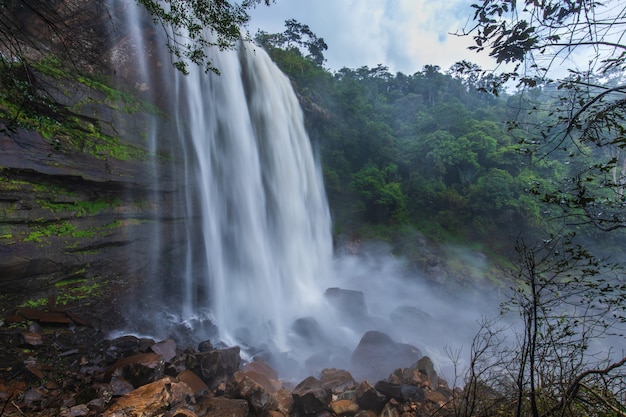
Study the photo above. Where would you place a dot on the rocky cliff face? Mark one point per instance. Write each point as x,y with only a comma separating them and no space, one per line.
78,208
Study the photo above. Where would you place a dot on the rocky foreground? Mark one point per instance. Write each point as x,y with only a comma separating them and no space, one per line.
53,363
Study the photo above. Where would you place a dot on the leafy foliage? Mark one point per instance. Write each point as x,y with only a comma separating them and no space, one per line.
583,107
297,36
186,24
399,148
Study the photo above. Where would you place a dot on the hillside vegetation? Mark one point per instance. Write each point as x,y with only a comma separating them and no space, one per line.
433,151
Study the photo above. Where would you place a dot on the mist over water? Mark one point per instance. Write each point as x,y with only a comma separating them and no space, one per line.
256,266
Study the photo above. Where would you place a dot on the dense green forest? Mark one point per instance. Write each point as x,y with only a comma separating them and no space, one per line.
433,150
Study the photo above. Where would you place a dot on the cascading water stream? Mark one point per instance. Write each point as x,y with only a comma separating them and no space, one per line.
264,219
257,225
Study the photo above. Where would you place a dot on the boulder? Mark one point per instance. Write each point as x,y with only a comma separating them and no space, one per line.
284,401
195,383
261,367
270,385
165,348
401,392
310,397
259,398
205,346
377,355
410,318
308,333
129,345
349,303
368,398
426,367
411,376
337,380
218,365
138,369
264,374
151,400
332,357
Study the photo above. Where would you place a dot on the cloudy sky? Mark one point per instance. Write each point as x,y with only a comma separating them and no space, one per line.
404,35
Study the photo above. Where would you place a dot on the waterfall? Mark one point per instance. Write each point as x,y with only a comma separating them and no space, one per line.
264,218
256,230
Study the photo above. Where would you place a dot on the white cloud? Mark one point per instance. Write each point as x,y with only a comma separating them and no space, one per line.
404,35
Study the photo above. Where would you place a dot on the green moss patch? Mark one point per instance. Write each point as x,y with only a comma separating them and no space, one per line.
39,233
64,127
81,208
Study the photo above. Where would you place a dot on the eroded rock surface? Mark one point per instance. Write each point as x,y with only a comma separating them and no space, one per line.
68,368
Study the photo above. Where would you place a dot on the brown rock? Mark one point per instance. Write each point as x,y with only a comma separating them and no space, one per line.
377,355
259,398
269,385
165,348
284,401
368,398
138,369
337,380
219,365
310,396
150,400
400,392
261,367
344,407
151,360
263,373
412,376
426,367
195,383
205,346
